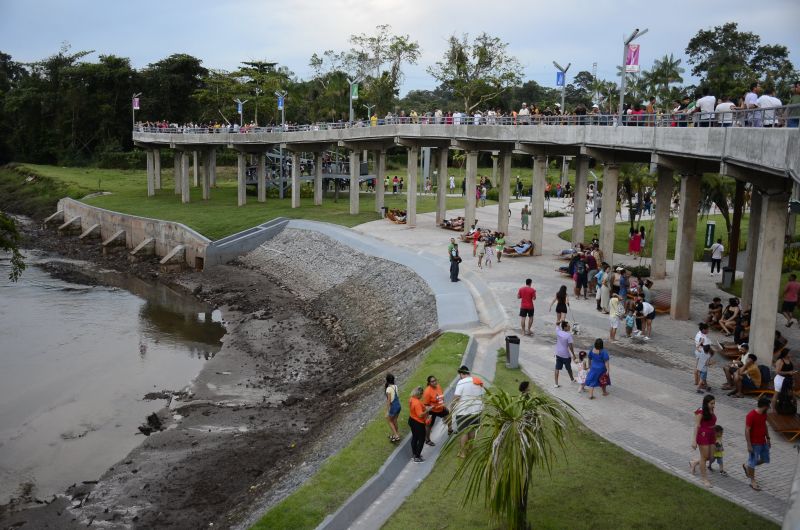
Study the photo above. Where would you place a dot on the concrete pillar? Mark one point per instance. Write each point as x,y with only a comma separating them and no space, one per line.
355,165
442,187
579,215
157,168
411,187
504,192
495,155
380,176
790,228
565,170
296,181
150,173
469,191
684,248
213,167
754,229
660,233
767,279
537,203
194,168
318,178
241,184
608,213
261,170
206,174
185,189
177,171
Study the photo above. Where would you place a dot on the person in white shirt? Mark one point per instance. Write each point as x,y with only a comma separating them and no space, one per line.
769,101
700,340
524,114
724,112
467,405
456,118
477,117
706,105
452,183
716,255
751,102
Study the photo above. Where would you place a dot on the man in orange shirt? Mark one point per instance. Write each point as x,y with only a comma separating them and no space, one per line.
433,397
417,420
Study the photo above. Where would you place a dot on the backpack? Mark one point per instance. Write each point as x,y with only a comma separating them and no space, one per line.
621,309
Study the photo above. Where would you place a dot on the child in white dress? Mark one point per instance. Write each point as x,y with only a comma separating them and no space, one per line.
489,249
583,369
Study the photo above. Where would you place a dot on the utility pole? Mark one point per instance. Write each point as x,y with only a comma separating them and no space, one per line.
636,34
240,108
281,95
369,110
353,83
564,81
258,93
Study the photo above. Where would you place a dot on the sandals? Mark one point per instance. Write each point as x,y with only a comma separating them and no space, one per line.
723,473
394,438
428,442
755,487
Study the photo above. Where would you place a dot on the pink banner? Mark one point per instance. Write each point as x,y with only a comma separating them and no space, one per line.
632,58
135,103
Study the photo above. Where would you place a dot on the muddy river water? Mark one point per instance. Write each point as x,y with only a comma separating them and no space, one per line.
75,363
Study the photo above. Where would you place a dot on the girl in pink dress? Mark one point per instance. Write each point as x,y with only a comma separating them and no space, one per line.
704,437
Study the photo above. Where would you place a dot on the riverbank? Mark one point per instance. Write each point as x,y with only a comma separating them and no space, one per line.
304,324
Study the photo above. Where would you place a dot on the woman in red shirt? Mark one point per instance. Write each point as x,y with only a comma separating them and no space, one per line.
417,419
704,436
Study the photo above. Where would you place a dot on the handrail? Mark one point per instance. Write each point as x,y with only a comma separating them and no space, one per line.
784,116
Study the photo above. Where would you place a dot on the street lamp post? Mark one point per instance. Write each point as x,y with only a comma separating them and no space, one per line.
369,110
134,106
636,34
353,82
240,108
281,95
563,86
258,93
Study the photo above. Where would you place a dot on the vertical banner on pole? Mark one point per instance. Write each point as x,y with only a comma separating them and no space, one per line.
354,91
239,107
280,102
559,78
135,103
632,58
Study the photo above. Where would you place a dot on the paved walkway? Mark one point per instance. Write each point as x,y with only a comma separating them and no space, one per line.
649,412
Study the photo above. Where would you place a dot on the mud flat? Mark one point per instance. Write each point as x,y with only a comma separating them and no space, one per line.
306,317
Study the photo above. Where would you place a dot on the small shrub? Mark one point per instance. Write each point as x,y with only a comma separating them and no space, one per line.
555,213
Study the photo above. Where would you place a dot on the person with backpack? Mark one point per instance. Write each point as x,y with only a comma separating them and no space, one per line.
581,277
615,314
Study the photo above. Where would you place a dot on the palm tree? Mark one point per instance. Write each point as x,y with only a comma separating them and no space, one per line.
517,434
667,70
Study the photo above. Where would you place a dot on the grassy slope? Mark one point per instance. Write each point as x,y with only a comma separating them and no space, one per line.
346,471
597,485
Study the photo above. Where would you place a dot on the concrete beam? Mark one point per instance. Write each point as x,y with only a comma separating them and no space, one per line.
151,184
546,150
206,175
194,169
73,225
504,193
579,212
296,180
57,217
318,156
684,248
241,184
660,234
614,156
442,186
754,230
261,171
765,181
608,211
380,176
93,232
175,260
186,190
311,147
213,167
478,145
685,165
146,248
411,187
177,171
367,144
117,239
419,143
157,168
537,204
471,176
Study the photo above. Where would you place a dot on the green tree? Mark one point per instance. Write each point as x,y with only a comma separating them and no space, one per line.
518,435
168,86
478,71
667,71
9,242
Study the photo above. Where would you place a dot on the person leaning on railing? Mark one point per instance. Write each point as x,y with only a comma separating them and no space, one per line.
793,112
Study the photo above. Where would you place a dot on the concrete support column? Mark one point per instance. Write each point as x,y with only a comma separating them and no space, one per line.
150,173
684,248
177,171
355,166
469,191
608,211
504,192
579,215
205,185
241,187
185,189
194,168
660,233
495,155
296,180
767,279
537,203
157,168
790,228
213,167
411,187
442,187
318,157
380,176
261,171
754,229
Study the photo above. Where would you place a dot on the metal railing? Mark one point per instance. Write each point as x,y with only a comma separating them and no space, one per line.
784,116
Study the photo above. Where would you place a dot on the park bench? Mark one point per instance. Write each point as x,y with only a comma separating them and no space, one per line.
787,425
511,253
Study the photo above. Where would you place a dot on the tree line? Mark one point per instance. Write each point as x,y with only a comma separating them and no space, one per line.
67,109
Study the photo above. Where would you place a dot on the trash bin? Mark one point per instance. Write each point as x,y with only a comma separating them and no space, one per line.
383,212
728,275
512,351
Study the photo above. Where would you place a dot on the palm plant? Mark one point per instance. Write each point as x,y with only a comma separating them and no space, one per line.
667,71
517,434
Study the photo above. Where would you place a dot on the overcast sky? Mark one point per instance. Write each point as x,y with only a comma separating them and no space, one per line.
223,33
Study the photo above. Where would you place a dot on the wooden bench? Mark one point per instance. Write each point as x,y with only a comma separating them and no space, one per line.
514,254
787,425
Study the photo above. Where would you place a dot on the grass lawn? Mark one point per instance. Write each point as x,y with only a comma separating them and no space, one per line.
736,290
622,231
345,472
597,485
219,216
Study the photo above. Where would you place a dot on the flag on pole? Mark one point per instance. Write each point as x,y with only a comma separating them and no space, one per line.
354,91
632,58
135,103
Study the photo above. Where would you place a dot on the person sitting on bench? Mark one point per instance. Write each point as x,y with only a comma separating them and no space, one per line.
748,377
520,248
714,311
730,369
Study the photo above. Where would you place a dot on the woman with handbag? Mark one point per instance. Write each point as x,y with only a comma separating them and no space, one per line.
599,369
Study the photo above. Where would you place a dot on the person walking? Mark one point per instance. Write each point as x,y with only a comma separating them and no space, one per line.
605,288
790,295
455,259
525,215
704,437
599,368
758,442
417,420
467,406
716,256
565,353
433,397
561,299
526,295
392,407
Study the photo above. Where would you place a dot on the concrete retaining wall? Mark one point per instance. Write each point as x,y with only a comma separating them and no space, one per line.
225,249
167,234
369,492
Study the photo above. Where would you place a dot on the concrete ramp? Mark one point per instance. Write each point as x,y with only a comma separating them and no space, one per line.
225,249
